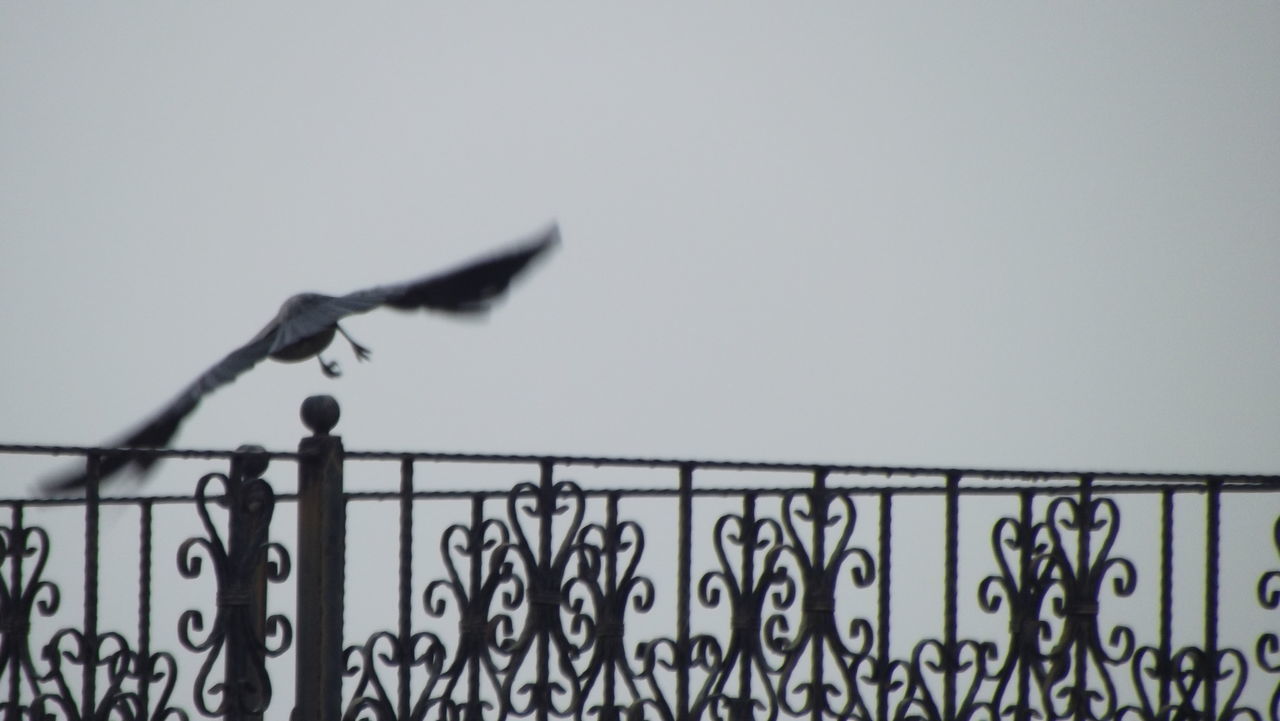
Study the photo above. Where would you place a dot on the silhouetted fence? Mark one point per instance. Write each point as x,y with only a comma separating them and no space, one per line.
500,587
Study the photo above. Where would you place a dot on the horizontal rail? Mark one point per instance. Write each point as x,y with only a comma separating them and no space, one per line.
713,492
968,473
543,590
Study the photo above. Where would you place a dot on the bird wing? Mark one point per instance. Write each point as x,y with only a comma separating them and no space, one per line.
468,288
157,431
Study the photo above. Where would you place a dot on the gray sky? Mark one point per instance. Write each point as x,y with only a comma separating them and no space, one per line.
1000,234
1003,235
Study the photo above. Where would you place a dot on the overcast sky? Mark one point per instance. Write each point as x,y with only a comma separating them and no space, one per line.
1006,234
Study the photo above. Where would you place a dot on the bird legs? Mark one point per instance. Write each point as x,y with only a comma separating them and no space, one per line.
362,352
331,368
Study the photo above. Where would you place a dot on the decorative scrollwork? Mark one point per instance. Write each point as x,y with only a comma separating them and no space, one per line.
241,631
482,550
1268,649
730,689
23,592
605,585
531,509
1077,587
120,690
158,672
544,605
1024,582
828,688
1185,680
478,554
1051,576
110,651
554,607
969,665
660,660
371,699
508,583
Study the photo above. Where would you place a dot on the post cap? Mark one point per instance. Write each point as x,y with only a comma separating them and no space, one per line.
253,460
320,414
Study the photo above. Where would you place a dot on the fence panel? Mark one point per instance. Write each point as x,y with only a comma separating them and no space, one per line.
444,586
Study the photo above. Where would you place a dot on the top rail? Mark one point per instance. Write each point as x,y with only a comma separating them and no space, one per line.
888,471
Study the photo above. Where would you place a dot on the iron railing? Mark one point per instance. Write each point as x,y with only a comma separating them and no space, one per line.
500,587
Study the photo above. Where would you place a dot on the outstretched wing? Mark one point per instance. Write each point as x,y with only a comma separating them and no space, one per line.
157,431
470,288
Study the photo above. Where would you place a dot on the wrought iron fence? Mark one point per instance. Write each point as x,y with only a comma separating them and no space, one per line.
499,587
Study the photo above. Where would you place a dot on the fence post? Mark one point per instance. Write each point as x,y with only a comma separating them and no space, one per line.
321,554
250,505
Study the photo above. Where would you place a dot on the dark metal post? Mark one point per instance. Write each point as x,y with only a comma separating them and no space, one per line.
1213,544
404,626
684,590
1083,607
883,668
15,618
89,672
251,504
950,586
321,554
145,665
1166,596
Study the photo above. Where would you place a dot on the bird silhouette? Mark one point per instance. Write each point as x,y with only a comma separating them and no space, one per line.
306,325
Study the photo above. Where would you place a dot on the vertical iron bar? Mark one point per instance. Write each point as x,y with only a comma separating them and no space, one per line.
1083,552
1023,605
144,607
547,491
882,631
1166,595
235,663
406,585
949,612
321,555
20,645
611,591
259,505
474,590
683,590
1211,598
90,670
748,588
818,500
244,598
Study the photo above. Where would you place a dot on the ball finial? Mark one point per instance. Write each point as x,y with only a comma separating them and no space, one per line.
253,460
320,414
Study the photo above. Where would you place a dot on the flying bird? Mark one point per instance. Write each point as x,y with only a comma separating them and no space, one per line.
306,325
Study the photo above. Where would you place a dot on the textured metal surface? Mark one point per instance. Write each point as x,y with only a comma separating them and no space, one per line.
845,593
240,633
786,645
321,558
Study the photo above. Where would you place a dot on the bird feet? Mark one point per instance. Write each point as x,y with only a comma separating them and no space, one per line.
329,368
362,352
